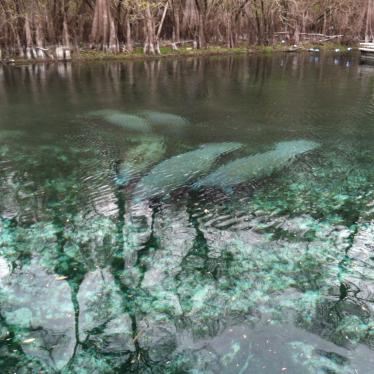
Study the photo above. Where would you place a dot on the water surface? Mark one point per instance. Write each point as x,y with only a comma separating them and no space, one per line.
117,256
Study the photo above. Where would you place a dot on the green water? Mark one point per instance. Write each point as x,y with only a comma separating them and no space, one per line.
126,245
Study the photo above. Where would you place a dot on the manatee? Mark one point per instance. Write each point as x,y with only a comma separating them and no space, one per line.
257,166
140,157
118,118
181,169
7,135
160,118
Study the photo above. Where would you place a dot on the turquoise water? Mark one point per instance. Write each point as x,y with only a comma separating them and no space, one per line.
201,215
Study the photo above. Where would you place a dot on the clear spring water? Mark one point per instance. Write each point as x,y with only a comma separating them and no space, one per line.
115,257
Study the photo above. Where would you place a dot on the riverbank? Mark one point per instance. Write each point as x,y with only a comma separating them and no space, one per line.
209,51
168,52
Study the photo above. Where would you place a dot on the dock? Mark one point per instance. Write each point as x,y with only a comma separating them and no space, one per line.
367,51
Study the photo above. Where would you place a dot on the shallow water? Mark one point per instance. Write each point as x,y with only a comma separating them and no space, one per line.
274,274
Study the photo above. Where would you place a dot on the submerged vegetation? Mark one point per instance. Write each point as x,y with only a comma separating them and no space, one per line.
113,261
297,252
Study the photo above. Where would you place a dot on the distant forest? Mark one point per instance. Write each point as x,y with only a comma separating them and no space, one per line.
29,27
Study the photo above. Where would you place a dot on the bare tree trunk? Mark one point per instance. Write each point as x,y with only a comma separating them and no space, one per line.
65,33
113,41
202,39
260,39
129,44
229,33
39,38
103,31
264,23
29,43
150,46
162,20
21,52
201,6
176,7
324,28
369,17
297,34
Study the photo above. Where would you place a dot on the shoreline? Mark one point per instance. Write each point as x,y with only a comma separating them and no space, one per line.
138,55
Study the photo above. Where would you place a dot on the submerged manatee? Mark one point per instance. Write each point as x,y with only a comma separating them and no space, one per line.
257,166
140,157
160,118
179,170
127,121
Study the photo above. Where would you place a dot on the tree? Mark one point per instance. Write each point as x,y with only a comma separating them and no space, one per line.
103,32
32,27
369,21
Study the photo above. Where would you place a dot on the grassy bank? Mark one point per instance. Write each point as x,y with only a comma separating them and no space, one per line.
166,52
304,47
210,51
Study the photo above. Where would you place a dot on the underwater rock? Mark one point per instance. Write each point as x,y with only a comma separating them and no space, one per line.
243,348
136,233
139,158
344,321
9,189
99,301
175,235
359,272
157,336
255,275
181,169
4,268
93,362
39,239
40,306
328,359
219,239
257,166
103,201
363,244
117,335
206,303
298,225
166,301
161,118
202,360
124,120
201,298
92,241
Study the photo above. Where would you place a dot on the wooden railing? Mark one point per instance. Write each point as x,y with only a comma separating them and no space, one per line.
369,47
